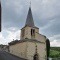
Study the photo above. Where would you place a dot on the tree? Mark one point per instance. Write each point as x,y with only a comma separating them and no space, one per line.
48,47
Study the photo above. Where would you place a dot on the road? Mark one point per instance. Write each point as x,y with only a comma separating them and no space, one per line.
7,56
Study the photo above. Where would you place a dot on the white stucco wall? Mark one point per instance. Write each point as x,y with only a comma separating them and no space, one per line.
19,49
27,50
40,37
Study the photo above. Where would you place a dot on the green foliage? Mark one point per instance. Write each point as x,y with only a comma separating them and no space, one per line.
55,48
55,52
48,47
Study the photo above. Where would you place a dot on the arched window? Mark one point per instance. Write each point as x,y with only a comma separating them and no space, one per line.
32,33
36,57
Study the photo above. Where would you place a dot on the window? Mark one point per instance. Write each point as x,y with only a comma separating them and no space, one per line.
33,32
36,57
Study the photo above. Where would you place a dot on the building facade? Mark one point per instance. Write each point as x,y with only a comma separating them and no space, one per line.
32,44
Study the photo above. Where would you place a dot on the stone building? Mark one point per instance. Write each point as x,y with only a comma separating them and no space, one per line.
32,44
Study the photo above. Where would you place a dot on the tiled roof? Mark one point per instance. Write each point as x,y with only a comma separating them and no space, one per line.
24,40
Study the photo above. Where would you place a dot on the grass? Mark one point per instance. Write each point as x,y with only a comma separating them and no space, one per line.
55,52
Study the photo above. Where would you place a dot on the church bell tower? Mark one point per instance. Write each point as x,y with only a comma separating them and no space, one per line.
29,30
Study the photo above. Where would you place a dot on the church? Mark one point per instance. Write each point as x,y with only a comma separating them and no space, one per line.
32,44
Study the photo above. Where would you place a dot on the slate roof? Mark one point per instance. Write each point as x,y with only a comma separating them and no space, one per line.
29,20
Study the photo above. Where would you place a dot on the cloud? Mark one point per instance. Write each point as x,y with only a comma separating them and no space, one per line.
54,43
1,38
12,13
16,11
55,37
9,36
55,40
52,28
46,15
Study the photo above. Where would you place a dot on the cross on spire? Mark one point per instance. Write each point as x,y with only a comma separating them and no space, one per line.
30,3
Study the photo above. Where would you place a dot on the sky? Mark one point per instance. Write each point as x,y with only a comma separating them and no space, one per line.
46,15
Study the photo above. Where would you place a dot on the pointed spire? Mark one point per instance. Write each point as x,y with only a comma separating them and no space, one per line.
29,20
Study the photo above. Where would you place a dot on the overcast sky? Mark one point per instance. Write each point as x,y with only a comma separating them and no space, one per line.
46,15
